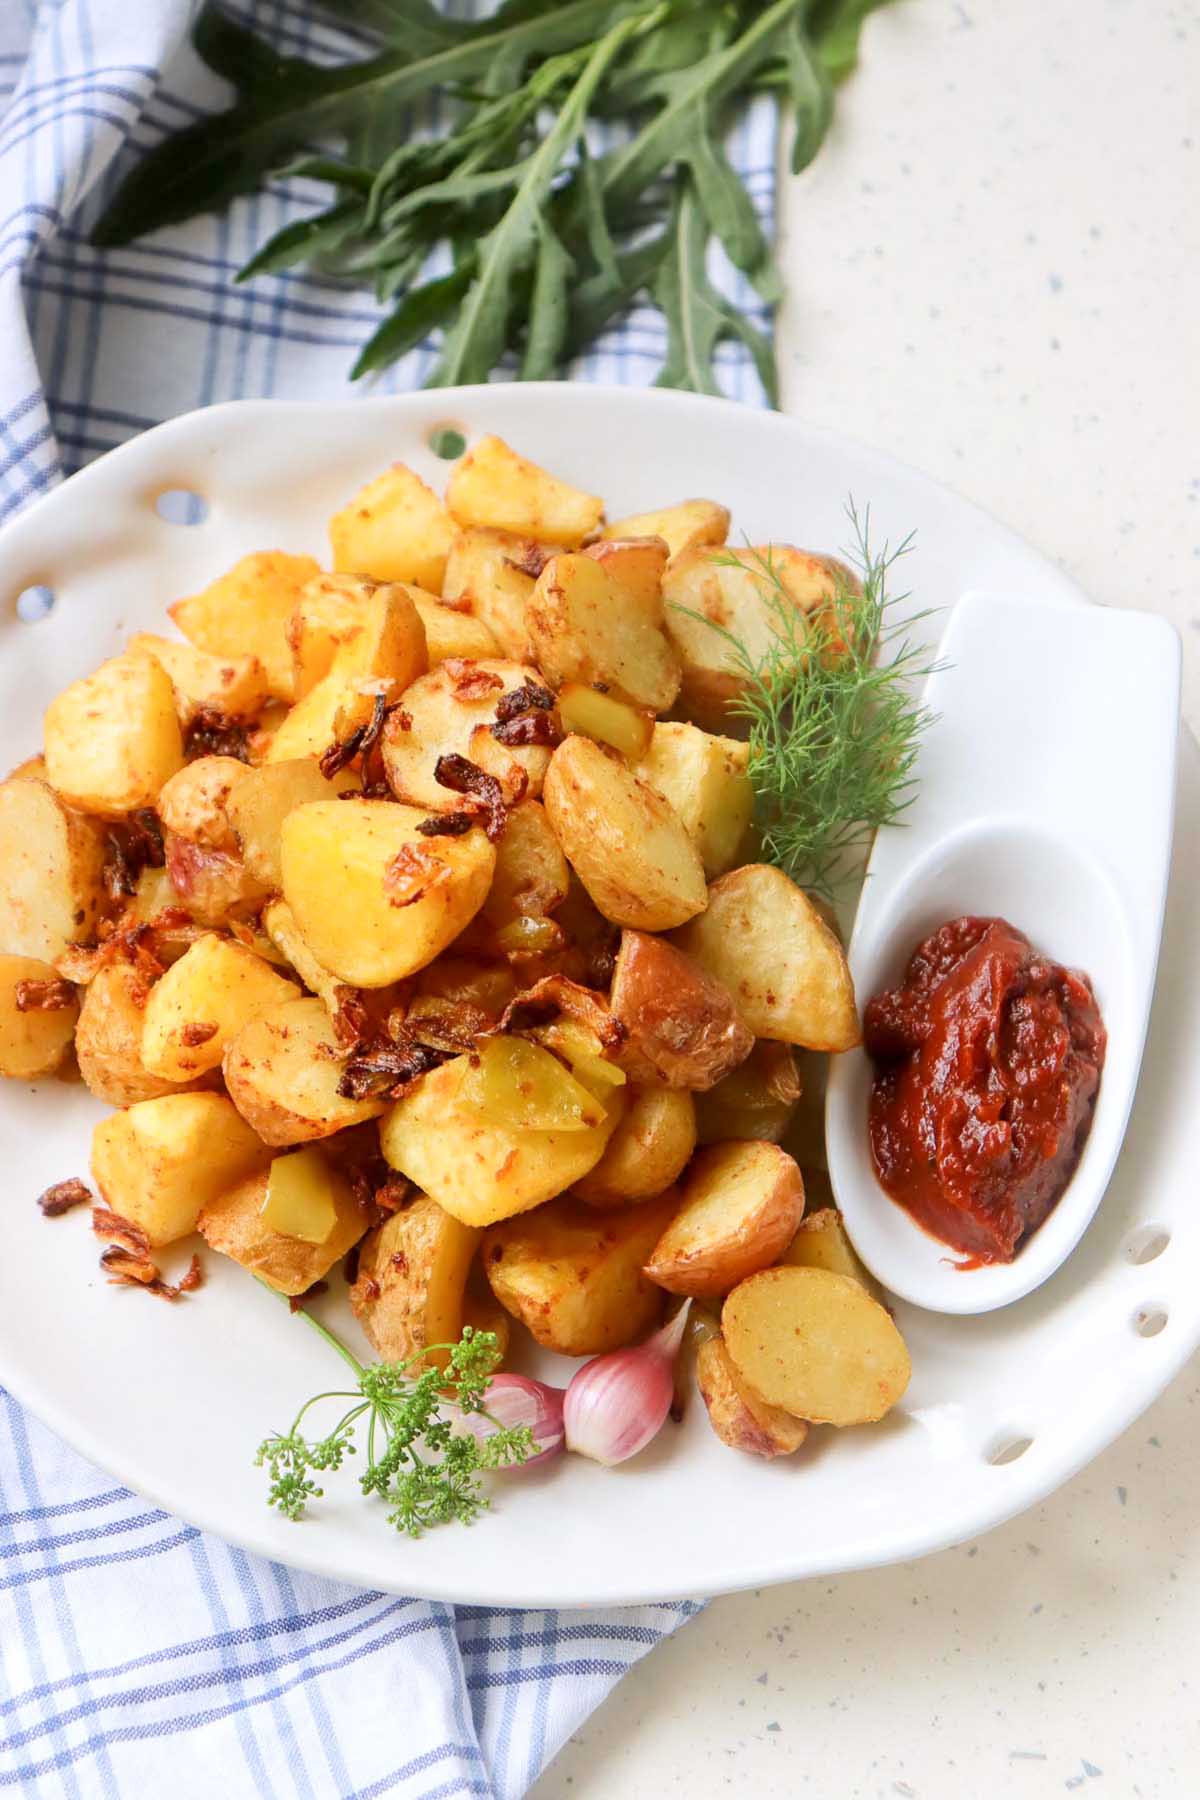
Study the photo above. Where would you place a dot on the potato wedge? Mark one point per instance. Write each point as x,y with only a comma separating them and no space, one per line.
113,738
282,1070
739,591
574,1277
821,1242
495,488
195,802
279,923
684,527
233,685
108,1039
816,1344
478,1171
588,626
763,938
629,729
625,843
159,1163
245,613
395,529
737,1415
681,1025
237,1224
263,799
531,876
331,608
412,1273
647,1152
757,1100
450,633
440,713
51,871
202,1002
374,899
34,1038
707,781
741,1204
636,564
492,573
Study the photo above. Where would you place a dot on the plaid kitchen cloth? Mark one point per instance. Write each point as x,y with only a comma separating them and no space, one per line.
138,1656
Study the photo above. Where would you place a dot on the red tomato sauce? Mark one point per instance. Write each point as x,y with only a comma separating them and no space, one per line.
987,1062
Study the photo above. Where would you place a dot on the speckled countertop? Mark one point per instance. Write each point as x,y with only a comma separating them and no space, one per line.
995,273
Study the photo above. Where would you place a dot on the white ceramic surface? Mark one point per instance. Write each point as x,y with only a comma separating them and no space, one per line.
173,1400
1043,803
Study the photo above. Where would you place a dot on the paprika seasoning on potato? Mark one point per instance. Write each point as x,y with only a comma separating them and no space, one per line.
988,1058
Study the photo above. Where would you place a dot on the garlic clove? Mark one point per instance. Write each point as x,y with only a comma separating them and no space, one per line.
617,1403
519,1400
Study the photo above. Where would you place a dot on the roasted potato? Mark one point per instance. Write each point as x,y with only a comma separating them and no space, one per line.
647,1152
279,923
531,876
244,1222
757,1100
684,527
245,613
494,488
395,529
629,729
374,899
471,981
740,1206
233,685
263,799
202,1002
763,938
159,1163
195,802
438,718
680,1023
450,633
493,572
214,886
636,564
816,1344
821,1242
331,608
483,1312
52,858
707,781
282,1070
737,1415
412,1273
113,738
108,1038
381,657
625,843
479,1170
574,1277
38,1011
588,626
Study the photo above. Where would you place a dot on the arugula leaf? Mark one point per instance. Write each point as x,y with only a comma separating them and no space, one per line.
698,317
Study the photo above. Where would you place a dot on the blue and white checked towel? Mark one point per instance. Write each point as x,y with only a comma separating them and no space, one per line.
139,1657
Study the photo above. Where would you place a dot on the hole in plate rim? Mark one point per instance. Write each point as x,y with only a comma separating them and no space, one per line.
1146,1244
35,602
1007,1447
447,440
178,504
1151,1320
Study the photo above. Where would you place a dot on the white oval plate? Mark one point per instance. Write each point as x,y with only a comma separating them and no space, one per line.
173,1400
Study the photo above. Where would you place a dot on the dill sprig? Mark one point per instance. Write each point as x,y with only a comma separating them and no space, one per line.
833,718
415,1459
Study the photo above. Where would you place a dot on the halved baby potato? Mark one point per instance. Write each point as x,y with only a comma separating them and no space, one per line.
495,488
681,1026
687,526
412,1274
647,1152
53,891
195,802
282,1070
706,779
245,613
821,1242
34,1038
234,685
590,626
108,1038
201,1004
488,572
735,1412
438,717
262,800
740,1206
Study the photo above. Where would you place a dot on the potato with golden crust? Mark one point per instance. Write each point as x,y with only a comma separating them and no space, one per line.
740,1206
202,1002
438,716
108,1038
195,802
492,573
531,876
282,1070
412,1275
214,886
395,529
52,893
235,686
589,626
647,1152
574,1277
816,1344
763,938
681,1026
375,899
450,633
160,1162
740,592
479,1169
331,608
706,779
262,801
113,738
238,1223
623,840
735,1412
687,526
636,564
379,659
38,1011
245,613
822,1242
279,923
494,488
